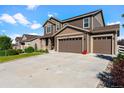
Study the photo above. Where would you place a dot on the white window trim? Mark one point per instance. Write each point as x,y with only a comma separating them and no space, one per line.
88,22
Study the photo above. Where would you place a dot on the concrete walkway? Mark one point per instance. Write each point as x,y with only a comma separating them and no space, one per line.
52,70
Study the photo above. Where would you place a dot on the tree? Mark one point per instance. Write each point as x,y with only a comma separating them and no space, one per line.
5,42
122,17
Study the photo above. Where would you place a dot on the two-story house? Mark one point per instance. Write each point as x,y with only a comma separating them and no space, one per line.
84,32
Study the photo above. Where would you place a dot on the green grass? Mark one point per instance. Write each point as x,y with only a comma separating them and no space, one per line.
9,58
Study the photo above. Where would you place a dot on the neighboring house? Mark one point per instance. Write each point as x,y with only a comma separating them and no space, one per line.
121,42
84,32
28,40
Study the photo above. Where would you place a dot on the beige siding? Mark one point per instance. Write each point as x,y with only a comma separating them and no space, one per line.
97,20
24,38
36,42
85,41
69,32
43,44
79,23
50,33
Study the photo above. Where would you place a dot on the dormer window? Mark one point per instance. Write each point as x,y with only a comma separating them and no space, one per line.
58,26
86,22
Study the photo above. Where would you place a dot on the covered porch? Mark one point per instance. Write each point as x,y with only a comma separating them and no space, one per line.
47,43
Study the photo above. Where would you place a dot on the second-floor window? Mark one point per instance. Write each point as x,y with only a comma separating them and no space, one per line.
86,22
49,28
58,26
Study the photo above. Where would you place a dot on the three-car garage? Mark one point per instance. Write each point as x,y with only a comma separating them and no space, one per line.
76,41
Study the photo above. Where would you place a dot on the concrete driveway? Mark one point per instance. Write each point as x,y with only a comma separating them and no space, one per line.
52,70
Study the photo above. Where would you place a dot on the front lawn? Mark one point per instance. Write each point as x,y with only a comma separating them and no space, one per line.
9,58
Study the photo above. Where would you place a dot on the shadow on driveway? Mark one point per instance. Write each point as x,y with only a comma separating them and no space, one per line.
107,57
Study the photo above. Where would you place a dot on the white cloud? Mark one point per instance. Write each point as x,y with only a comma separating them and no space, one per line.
35,26
7,18
112,23
32,33
32,7
52,14
120,37
3,31
21,19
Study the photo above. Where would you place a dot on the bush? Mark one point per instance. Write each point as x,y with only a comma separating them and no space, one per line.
46,51
8,52
43,51
2,52
117,71
120,56
29,50
19,51
11,52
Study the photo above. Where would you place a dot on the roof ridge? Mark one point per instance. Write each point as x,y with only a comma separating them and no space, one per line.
31,35
82,15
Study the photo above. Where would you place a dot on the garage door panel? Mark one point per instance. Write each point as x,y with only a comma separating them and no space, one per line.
73,45
102,45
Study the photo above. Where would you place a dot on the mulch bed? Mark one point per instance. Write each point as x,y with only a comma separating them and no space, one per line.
107,70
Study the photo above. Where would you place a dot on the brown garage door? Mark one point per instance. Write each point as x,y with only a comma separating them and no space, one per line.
102,45
73,45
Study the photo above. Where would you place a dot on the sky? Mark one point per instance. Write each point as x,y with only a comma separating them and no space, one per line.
16,20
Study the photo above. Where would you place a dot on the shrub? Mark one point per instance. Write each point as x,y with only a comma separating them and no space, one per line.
29,50
46,51
19,51
117,71
8,52
2,52
40,50
120,56
43,51
11,52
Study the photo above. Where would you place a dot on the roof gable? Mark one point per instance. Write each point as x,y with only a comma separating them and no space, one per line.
71,27
50,20
18,38
27,37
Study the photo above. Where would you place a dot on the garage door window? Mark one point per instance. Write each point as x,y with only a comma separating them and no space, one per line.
103,37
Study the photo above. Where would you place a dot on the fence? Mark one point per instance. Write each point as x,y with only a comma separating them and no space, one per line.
121,48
